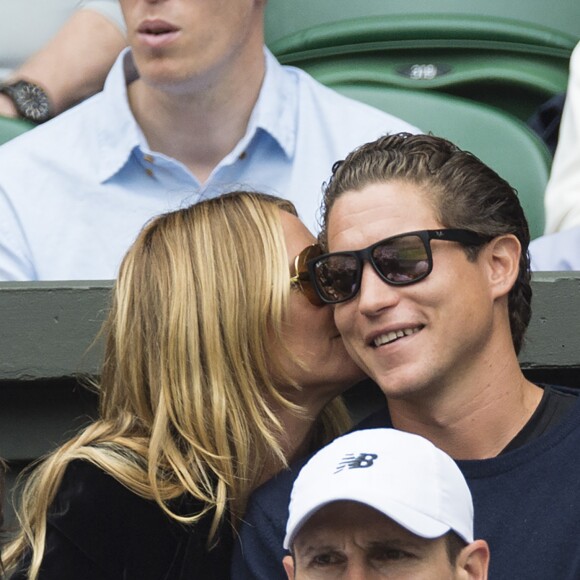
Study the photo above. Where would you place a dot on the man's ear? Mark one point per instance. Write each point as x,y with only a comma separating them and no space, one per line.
473,561
288,562
503,259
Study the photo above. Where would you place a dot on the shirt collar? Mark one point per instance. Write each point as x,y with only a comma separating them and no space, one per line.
118,132
275,112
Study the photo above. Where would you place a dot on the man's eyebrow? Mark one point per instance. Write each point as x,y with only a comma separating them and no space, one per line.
396,544
392,543
309,548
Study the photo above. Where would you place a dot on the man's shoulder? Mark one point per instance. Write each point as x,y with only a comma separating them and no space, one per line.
573,391
61,139
347,112
57,159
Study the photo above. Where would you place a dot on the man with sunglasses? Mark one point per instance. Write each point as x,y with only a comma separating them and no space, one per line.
427,269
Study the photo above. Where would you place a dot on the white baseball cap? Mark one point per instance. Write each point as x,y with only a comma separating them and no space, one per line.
399,474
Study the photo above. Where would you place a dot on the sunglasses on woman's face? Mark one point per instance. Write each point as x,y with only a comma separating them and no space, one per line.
399,260
300,278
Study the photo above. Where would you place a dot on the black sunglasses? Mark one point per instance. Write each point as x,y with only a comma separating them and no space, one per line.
299,276
399,260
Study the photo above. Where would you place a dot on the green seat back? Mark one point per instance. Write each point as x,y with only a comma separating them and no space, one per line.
10,128
285,18
497,61
499,139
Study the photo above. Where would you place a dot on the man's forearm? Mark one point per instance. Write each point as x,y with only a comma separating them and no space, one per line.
74,64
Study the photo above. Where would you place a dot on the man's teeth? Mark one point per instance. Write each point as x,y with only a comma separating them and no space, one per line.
394,335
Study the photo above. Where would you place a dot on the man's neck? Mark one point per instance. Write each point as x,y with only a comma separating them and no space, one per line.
199,126
473,420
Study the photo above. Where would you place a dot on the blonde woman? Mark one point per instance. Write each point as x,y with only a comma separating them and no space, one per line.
218,370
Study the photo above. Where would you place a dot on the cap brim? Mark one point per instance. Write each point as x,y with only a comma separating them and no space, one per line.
409,518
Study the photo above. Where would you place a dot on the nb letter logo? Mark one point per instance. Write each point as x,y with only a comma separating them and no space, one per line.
361,461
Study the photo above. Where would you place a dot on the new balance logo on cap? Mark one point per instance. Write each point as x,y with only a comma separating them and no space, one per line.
352,462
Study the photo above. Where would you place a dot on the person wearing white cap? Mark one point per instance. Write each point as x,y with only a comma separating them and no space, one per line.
382,503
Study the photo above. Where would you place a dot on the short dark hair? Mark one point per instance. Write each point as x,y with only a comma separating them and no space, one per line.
465,194
453,545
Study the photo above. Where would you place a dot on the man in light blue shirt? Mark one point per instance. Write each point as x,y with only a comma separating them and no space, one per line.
197,106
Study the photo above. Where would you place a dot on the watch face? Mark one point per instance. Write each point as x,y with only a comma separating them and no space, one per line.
34,103
30,100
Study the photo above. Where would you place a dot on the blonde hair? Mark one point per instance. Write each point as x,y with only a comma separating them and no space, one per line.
187,394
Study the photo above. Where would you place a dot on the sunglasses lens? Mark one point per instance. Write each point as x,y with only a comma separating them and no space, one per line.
401,260
337,277
303,277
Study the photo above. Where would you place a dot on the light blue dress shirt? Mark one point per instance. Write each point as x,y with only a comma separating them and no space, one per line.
75,192
556,252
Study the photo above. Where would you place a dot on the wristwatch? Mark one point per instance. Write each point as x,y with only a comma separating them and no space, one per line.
30,100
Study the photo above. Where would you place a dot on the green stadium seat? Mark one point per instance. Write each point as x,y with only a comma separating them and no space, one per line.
499,139
10,128
498,61
284,18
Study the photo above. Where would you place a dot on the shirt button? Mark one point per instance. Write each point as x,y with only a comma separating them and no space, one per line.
149,172
242,156
149,158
